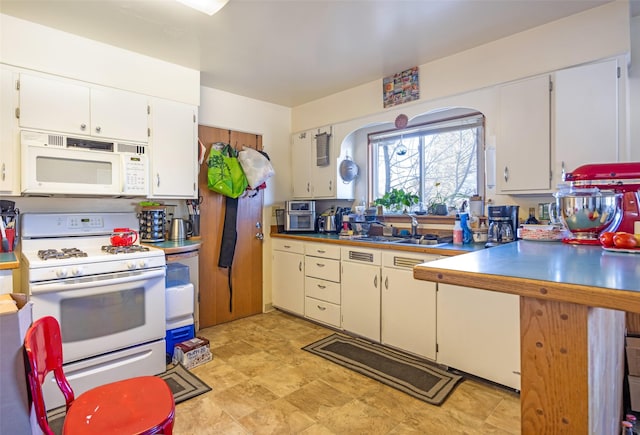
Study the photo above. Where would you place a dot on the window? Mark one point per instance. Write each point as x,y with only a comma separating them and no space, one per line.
442,158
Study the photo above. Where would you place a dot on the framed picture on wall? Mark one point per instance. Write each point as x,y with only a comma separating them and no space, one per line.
401,87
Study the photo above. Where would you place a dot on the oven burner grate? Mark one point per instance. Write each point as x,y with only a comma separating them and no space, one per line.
47,254
124,249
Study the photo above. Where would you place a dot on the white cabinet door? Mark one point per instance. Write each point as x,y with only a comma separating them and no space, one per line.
54,104
479,333
301,164
586,115
523,148
361,299
288,281
9,140
323,178
408,311
119,114
174,165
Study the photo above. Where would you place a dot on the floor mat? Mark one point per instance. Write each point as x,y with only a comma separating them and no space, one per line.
418,378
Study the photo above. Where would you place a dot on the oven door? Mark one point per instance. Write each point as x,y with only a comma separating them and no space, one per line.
103,313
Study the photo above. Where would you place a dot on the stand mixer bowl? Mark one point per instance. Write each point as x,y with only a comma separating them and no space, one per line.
587,212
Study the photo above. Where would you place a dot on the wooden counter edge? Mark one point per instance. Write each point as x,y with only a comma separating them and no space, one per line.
584,295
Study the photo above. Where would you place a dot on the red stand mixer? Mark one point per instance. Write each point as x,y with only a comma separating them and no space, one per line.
621,178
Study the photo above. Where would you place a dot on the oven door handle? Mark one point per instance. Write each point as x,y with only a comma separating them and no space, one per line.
94,281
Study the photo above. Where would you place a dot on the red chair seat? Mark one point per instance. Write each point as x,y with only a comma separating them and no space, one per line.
133,406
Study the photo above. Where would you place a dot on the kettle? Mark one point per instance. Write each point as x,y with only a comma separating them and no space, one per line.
180,229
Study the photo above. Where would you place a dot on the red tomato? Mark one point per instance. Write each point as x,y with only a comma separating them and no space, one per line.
624,241
606,239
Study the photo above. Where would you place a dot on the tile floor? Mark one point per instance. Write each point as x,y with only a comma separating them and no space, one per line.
263,383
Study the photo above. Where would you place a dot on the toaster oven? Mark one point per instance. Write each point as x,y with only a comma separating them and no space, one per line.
300,216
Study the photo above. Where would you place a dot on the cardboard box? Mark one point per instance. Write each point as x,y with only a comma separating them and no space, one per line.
634,392
633,355
14,401
192,353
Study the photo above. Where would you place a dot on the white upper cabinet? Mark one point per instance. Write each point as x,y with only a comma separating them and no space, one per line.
72,107
586,116
174,150
314,168
301,164
523,148
9,144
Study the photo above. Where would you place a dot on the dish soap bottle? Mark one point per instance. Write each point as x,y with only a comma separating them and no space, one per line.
457,231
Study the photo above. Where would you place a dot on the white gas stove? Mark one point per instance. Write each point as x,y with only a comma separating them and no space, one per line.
110,302
57,246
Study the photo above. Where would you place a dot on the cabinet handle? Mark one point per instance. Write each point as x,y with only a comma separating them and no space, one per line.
287,246
320,251
330,185
506,174
321,308
98,128
322,286
158,178
300,266
308,187
386,282
3,171
83,126
319,264
375,281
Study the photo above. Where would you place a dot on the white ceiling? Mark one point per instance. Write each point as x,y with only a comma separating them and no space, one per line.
292,52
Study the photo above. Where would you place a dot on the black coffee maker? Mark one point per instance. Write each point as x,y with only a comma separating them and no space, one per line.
503,224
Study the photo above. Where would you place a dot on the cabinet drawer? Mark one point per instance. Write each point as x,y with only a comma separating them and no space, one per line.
322,268
325,312
323,250
324,290
294,246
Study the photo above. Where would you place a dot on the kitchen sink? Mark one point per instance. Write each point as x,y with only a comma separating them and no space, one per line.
402,240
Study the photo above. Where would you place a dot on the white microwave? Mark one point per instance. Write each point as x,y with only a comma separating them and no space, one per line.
56,164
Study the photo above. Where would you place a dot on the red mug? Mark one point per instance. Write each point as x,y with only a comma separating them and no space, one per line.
123,237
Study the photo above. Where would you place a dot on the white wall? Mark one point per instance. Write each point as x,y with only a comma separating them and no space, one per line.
594,34
634,91
33,46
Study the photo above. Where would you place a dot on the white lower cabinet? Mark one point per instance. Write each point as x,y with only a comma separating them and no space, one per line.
361,284
322,283
288,275
408,310
479,333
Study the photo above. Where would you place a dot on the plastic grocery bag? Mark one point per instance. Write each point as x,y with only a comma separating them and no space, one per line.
256,166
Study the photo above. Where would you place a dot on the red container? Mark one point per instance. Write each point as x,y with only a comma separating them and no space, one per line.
123,237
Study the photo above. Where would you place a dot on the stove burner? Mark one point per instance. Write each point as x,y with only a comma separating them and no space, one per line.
47,254
124,249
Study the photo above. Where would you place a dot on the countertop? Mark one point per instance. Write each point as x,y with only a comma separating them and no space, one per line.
448,249
586,275
9,260
177,247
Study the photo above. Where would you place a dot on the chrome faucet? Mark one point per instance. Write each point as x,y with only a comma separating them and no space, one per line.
414,224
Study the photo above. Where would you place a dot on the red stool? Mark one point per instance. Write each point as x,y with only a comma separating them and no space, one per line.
141,405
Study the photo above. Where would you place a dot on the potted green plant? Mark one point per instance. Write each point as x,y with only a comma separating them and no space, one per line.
437,205
397,200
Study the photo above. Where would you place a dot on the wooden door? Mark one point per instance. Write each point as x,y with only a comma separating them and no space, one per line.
216,303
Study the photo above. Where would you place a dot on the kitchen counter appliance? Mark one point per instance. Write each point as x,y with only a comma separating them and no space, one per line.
109,300
622,178
300,216
503,224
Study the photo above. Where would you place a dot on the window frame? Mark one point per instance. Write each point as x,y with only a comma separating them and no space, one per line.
437,125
